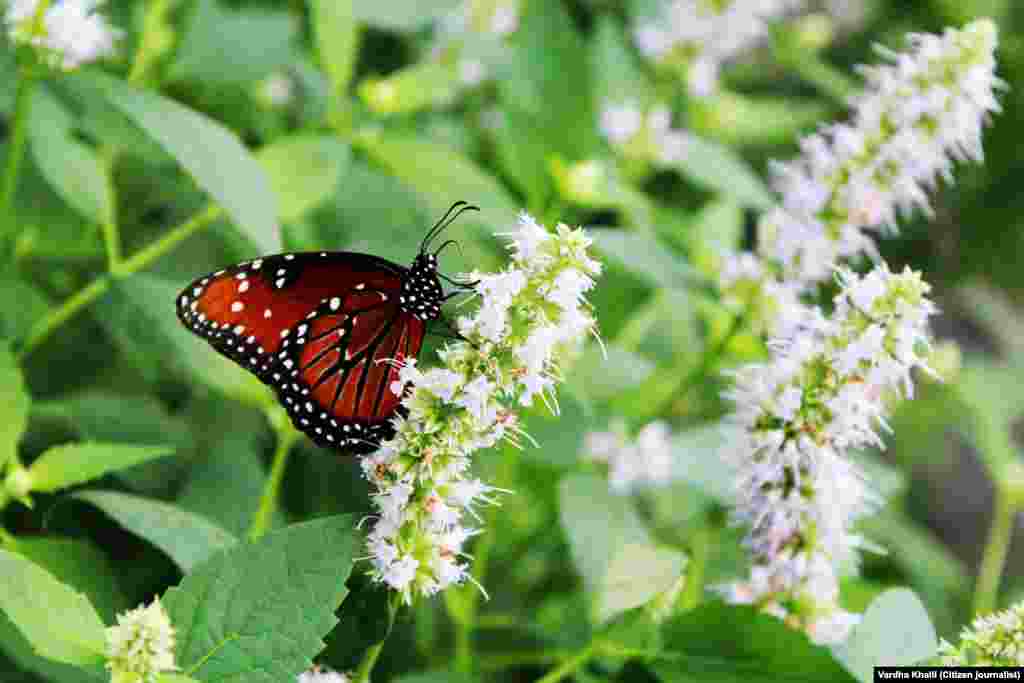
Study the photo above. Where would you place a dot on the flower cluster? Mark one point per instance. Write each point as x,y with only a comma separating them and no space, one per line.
471,37
70,32
643,135
633,464
918,113
319,674
530,316
696,36
818,398
141,645
991,640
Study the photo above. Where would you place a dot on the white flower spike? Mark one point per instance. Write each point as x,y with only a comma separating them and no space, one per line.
141,645
531,316
72,32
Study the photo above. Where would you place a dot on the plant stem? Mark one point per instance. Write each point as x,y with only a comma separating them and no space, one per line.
362,674
111,235
570,666
98,287
467,623
22,108
994,558
286,437
700,550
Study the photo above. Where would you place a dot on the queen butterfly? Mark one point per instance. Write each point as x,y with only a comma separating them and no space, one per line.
326,330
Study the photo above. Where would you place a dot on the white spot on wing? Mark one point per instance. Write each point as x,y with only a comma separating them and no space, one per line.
237,306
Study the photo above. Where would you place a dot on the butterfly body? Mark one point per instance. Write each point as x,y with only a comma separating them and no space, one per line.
326,330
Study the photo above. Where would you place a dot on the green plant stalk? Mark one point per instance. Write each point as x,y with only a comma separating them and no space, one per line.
19,135
823,76
570,666
42,330
362,674
466,624
111,234
286,437
700,551
993,561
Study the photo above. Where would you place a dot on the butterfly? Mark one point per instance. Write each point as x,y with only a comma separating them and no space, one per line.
326,330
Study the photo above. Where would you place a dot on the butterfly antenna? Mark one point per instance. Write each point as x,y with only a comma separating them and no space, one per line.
439,225
446,221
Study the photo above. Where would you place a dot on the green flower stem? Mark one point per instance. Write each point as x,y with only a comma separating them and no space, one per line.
362,674
286,438
700,547
111,235
15,152
823,76
993,560
41,331
570,666
466,621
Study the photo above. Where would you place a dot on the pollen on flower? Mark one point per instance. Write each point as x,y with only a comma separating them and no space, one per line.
529,317
141,645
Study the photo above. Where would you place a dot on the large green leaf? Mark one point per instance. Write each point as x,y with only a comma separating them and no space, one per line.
621,565
14,405
258,611
718,168
402,15
76,463
223,45
337,41
616,76
549,80
304,171
187,538
59,622
895,631
212,155
72,168
717,643
79,564
21,653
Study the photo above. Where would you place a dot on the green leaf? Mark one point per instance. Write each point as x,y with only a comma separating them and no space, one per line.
71,168
21,306
337,41
258,611
621,566
213,155
717,643
175,678
402,15
21,653
601,377
79,564
717,168
304,171
75,463
699,457
436,677
14,405
737,120
59,622
717,229
187,538
895,631
549,80
558,436
223,46
616,76
645,256
415,88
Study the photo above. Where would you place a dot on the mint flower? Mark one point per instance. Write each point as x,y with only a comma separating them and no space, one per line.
531,317
798,416
991,640
319,674
141,645
918,113
71,33
632,463
694,37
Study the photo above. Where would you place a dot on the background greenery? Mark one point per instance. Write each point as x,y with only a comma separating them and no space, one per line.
352,170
